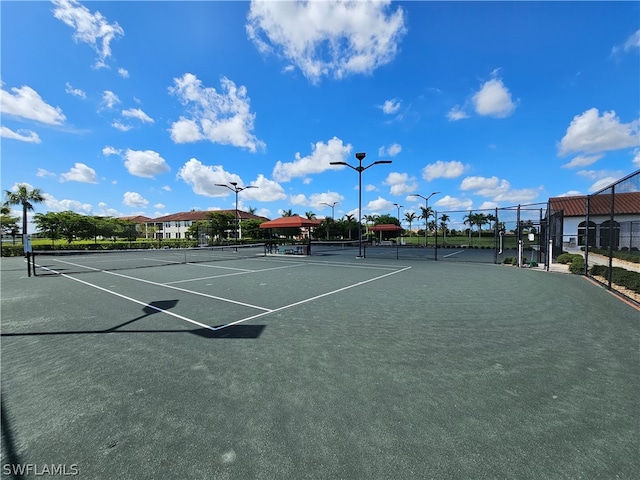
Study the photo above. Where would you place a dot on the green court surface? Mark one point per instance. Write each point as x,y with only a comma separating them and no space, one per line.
321,367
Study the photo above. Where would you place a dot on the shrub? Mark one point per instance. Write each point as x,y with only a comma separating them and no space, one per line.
508,260
577,265
565,258
12,251
619,276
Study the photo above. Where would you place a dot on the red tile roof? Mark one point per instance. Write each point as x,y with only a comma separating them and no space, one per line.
624,204
136,219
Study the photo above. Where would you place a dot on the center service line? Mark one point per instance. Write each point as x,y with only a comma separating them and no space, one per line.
308,299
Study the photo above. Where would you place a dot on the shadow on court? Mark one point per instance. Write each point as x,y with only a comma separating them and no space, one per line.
8,442
159,306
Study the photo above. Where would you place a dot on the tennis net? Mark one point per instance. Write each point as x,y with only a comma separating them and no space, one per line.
80,261
334,246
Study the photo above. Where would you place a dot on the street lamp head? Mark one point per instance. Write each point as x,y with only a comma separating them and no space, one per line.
220,185
234,183
360,155
382,161
250,186
338,163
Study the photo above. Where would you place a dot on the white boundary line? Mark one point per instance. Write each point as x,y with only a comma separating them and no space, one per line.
452,254
339,264
165,286
231,274
309,299
139,302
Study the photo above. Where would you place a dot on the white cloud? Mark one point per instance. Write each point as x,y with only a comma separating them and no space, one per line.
118,125
370,188
602,183
493,99
105,211
108,150
440,169
203,178
392,150
26,103
378,205
109,100
44,173
452,203
137,113
76,92
166,188
22,135
80,173
53,204
456,113
389,107
91,28
263,212
632,42
400,183
337,38
299,199
159,206
221,117
134,199
498,189
316,200
636,157
486,187
571,193
145,163
319,160
267,191
591,133
582,161
123,72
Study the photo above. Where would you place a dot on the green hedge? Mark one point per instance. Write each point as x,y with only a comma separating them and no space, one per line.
629,256
619,276
12,251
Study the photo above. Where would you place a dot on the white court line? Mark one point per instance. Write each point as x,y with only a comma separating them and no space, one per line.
309,299
338,264
168,286
231,274
452,254
139,302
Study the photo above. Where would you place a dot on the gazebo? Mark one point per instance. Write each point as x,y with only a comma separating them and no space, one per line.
385,227
294,221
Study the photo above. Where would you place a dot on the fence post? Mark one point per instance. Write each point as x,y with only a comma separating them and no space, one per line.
611,234
586,242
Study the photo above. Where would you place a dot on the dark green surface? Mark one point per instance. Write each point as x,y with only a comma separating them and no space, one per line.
443,371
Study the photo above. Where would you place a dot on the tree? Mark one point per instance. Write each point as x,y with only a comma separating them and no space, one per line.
8,223
288,213
444,218
410,217
220,223
469,219
26,197
349,220
252,210
310,215
480,220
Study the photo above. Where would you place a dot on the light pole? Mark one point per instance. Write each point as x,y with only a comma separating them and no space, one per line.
400,232
426,208
235,188
360,156
332,205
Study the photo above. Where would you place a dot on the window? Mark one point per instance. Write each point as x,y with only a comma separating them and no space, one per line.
583,235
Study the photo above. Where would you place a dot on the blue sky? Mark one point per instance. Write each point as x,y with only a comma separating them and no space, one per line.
125,108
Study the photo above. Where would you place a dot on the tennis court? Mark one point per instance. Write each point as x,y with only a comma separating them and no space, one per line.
328,366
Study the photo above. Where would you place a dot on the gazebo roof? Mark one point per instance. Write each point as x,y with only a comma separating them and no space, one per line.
385,227
294,221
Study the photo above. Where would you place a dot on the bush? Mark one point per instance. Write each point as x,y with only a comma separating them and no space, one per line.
565,258
619,276
577,265
12,251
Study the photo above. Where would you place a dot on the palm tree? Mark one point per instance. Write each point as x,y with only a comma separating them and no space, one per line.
471,220
252,210
310,215
288,213
444,218
25,197
480,220
349,218
410,217
425,214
